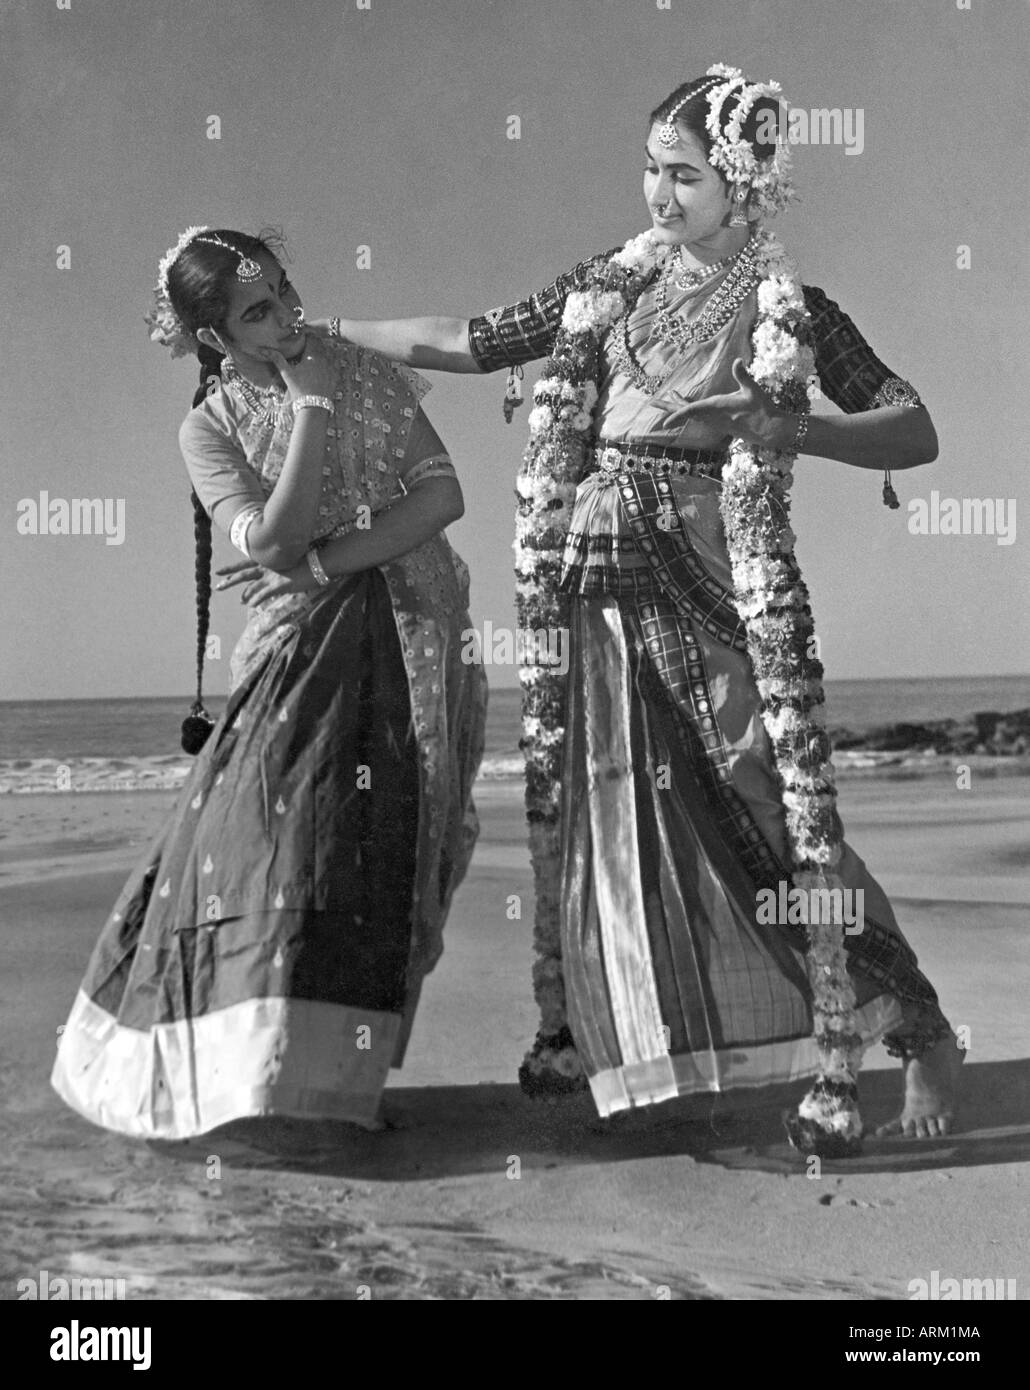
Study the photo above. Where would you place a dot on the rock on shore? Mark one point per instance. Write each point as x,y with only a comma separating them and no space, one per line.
990,732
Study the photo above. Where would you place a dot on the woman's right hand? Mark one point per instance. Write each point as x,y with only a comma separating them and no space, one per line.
312,375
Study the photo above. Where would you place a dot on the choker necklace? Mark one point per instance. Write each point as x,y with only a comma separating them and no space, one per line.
265,402
689,277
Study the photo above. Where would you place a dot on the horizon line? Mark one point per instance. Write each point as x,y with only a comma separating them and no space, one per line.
505,685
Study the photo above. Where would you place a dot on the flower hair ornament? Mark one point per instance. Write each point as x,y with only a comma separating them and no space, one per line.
165,325
768,178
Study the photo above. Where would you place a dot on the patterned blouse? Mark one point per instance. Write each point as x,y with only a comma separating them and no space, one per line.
850,373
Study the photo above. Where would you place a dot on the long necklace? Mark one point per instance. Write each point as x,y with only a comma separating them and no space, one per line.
265,404
670,328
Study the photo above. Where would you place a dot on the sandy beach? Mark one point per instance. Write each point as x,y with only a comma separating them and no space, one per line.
476,1192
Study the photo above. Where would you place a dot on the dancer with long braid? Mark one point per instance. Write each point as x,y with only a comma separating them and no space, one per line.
266,956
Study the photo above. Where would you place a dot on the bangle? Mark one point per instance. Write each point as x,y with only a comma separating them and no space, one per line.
302,402
334,327
802,432
316,568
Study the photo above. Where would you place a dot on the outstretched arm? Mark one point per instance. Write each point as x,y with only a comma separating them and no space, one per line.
505,337
434,344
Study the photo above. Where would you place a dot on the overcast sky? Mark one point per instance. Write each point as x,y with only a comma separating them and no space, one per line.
387,126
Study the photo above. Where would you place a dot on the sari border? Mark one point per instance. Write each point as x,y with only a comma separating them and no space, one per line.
270,1056
732,1068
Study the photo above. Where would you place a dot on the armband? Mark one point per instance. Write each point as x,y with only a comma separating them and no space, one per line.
241,525
436,466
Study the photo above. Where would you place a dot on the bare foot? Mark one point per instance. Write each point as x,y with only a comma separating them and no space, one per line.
930,1085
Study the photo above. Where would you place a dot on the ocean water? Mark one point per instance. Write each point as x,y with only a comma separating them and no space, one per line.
114,744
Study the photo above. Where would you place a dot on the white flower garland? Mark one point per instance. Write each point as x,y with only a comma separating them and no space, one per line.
768,178
774,605
560,425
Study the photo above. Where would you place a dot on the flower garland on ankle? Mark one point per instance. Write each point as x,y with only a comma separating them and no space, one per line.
774,605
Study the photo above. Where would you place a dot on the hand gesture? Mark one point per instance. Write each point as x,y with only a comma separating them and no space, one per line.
748,413
264,584
312,375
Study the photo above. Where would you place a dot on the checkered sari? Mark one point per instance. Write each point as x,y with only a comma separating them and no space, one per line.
672,820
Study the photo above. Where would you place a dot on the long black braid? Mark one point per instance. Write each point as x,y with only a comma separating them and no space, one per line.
199,281
198,724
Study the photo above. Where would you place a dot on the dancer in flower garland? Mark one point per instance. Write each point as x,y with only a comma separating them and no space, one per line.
680,780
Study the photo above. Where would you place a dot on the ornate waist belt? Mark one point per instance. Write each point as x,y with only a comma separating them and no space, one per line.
630,540
612,457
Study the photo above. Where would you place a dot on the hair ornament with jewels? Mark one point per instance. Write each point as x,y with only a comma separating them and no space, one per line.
165,325
767,176
668,135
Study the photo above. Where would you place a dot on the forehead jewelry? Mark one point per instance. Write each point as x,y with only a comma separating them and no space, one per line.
767,177
668,135
247,271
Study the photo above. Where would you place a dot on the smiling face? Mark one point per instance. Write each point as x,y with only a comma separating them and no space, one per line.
689,201
262,314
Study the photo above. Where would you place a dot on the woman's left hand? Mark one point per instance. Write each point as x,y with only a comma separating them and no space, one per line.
264,584
747,413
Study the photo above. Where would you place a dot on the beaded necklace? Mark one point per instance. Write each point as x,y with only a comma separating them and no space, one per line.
689,277
265,403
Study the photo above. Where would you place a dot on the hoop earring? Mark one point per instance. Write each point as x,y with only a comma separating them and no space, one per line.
740,199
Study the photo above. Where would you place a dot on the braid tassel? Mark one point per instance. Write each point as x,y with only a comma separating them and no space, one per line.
197,726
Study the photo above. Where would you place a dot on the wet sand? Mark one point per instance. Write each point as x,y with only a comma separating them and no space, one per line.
476,1192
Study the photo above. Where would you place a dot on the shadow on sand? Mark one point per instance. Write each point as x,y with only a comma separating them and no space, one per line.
452,1131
